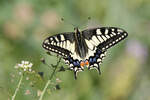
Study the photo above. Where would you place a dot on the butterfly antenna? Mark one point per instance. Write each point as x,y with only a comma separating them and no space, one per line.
89,19
63,20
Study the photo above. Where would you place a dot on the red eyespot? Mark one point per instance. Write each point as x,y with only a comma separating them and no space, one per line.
82,64
86,62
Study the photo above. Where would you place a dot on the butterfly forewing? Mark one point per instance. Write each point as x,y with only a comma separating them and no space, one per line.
59,43
104,37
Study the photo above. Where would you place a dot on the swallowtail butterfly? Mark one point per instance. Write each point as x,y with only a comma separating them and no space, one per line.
85,48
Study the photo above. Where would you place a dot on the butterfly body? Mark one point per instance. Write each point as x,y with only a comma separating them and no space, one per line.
80,45
84,48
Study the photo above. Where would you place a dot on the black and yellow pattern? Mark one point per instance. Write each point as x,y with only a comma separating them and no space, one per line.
85,48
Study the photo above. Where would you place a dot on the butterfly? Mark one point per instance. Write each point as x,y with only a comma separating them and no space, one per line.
86,48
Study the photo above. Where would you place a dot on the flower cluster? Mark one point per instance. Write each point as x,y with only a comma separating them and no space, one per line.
25,65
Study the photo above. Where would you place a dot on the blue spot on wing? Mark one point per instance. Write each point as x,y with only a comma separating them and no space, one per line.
94,59
90,60
76,63
70,59
97,56
98,52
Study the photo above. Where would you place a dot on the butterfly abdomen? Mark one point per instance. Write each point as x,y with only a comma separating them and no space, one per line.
80,45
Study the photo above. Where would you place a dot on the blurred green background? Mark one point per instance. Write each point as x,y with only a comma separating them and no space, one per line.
24,24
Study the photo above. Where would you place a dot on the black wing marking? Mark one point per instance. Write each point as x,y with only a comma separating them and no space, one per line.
59,43
104,37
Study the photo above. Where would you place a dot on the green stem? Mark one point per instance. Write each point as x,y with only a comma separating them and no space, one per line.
48,82
17,89
43,92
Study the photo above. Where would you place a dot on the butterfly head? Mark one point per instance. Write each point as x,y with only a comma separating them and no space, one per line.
77,33
76,29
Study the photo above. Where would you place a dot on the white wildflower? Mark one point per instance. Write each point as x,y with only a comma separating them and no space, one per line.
25,65
30,65
26,62
25,69
22,61
30,69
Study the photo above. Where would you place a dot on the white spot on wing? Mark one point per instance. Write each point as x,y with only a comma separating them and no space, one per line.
59,52
113,33
107,46
56,39
117,40
118,33
113,29
107,36
95,65
71,65
119,30
52,42
99,60
47,47
46,41
125,34
120,38
62,37
113,42
106,31
102,55
51,39
98,32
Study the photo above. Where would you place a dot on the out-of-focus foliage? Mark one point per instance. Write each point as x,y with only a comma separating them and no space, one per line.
24,24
